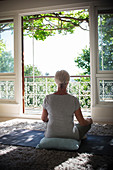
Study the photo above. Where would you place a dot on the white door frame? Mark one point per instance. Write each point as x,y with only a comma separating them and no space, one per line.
101,111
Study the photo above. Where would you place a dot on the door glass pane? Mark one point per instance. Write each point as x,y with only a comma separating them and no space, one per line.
6,46
105,41
106,90
6,89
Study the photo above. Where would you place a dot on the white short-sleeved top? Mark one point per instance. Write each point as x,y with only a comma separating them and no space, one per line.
61,110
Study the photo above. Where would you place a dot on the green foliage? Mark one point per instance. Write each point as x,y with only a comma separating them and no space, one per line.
28,71
43,25
105,33
6,59
83,61
2,47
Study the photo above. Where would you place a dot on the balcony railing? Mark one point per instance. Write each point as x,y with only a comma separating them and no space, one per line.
37,87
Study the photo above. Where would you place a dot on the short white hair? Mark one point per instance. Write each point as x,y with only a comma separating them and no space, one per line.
62,77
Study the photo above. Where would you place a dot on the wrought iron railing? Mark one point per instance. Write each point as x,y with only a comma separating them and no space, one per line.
106,90
7,91
37,87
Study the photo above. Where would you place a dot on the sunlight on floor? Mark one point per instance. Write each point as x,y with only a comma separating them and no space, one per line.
6,149
76,163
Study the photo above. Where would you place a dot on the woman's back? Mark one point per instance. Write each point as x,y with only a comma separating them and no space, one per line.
61,110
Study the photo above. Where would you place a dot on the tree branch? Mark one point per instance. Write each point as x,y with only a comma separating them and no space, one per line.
11,28
54,26
83,28
58,17
51,29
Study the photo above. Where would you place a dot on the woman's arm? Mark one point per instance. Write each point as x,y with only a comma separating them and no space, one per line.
81,120
44,116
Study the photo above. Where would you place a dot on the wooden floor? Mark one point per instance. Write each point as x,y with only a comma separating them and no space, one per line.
36,114
3,119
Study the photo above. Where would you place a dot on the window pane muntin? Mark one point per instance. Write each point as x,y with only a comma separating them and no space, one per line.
105,42
7,46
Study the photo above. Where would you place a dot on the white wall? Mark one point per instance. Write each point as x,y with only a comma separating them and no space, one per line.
102,114
30,4
13,5
15,9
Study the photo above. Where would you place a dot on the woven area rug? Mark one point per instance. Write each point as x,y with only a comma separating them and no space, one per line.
100,145
22,137
29,158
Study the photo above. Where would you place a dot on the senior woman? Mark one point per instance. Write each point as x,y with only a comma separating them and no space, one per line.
59,110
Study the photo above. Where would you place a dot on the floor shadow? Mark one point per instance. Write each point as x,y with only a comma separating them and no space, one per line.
28,158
